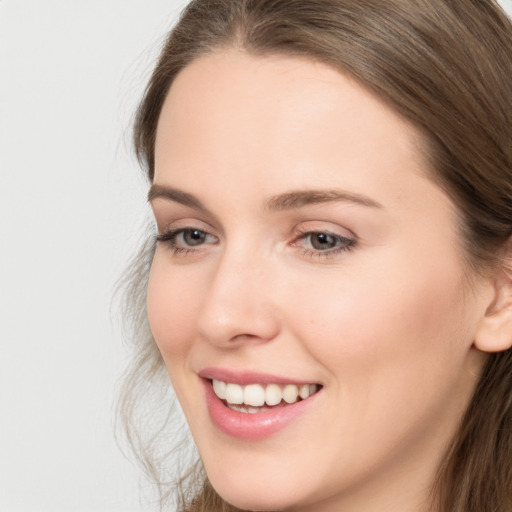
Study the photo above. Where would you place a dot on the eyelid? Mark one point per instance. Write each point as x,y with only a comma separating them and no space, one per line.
174,237
168,237
168,214
328,227
348,241
170,221
304,234
169,233
173,232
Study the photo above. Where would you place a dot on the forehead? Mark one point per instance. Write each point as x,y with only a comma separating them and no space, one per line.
273,94
280,123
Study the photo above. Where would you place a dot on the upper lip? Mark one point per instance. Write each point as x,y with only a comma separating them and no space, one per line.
249,377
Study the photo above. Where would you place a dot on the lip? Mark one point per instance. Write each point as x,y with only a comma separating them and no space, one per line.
251,426
244,378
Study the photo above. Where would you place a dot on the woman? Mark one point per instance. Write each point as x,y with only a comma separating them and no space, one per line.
330,290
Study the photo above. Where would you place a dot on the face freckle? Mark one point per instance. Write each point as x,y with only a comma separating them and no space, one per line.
374,312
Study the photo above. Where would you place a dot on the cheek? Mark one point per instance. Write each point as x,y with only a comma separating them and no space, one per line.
394,346
172,303
384,331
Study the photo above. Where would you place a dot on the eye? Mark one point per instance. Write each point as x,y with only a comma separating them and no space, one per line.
186,239
323,243
193,236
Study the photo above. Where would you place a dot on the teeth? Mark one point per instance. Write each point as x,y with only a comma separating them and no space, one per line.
304,391
290,393
254,395
244,408
273,394
257,395
234,394
220,388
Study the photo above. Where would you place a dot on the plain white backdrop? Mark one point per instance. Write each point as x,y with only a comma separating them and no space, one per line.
72,203
72,207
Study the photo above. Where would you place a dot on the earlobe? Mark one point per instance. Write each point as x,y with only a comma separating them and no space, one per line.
494,333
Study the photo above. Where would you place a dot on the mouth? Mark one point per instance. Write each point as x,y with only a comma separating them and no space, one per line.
258,398
253,406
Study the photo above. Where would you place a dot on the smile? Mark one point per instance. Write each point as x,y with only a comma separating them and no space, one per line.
254,406
253,398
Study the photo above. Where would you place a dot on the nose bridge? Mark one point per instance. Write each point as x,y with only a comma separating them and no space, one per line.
238,301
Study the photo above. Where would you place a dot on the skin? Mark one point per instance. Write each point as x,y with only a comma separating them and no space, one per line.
386,325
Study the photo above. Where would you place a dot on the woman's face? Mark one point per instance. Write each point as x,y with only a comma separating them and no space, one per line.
304,251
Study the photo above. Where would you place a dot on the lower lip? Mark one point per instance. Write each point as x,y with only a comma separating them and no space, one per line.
252,426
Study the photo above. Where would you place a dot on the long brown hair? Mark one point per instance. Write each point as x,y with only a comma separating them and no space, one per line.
446,66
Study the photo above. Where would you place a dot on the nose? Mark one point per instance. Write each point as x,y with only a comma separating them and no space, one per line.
239,306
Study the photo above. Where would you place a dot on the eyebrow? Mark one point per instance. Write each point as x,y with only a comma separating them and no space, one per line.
176,195
281,202
300,198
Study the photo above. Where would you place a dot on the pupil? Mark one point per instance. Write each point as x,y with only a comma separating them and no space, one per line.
323,241
194,237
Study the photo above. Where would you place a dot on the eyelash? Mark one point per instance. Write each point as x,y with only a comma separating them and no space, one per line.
346,244
169,239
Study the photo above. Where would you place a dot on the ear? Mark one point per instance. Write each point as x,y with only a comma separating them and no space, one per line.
494,333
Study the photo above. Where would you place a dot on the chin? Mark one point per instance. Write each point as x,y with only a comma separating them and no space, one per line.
258,495
244,500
